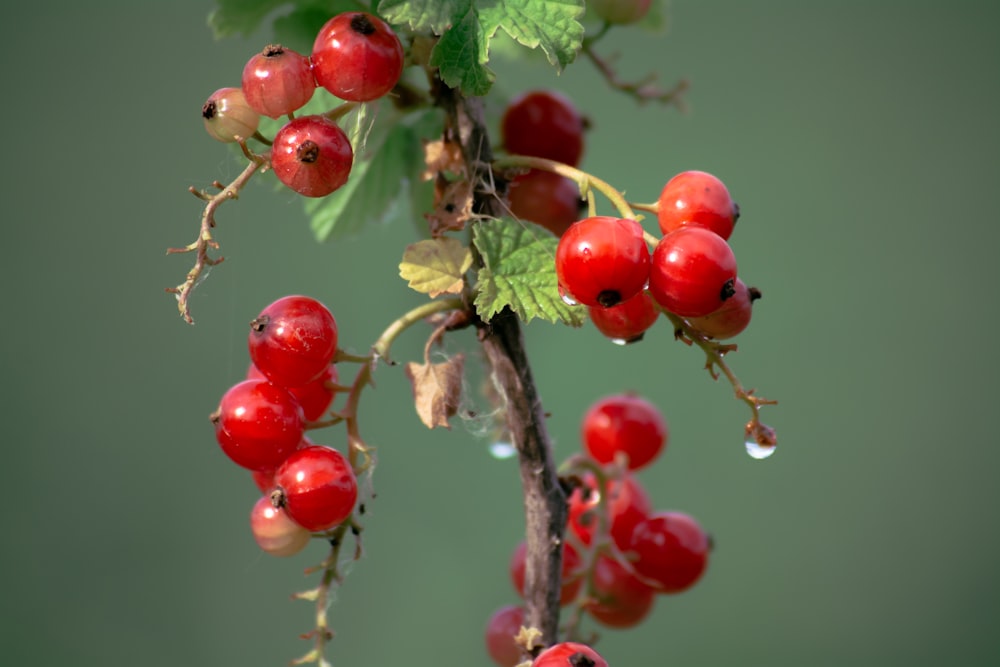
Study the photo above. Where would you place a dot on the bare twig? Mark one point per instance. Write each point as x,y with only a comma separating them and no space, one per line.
205,241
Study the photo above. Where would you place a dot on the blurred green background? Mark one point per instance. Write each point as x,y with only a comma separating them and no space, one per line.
860,139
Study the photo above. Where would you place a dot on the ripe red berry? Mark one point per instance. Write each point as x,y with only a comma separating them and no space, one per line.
602,261
628,321
274,532
545,198
696,198
278,81
543,123
258,424
619,11
730,319
357,57
503,626
312,156
571,581
227,116
621,599
314,397
671,551
569,654
693,272
627,504
293,340
624,424
317,487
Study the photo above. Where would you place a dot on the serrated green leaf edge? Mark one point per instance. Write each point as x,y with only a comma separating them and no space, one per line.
519,271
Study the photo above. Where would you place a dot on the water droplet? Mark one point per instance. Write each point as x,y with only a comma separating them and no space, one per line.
567,299
502,450
620,341
759,451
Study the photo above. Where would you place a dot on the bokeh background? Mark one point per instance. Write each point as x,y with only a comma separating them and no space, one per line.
860,139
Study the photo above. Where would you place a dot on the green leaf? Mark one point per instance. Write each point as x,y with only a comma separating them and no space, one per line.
552,25
466,30
461,55
386,166
240,17
243,17
433,16
519,271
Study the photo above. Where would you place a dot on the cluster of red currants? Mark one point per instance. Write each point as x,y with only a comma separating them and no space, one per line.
260,424
619,552
356,56
604,262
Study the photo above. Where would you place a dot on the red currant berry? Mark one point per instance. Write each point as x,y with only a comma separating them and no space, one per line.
317,487
571,581
278,81
602,261
693,272
671,551
619,11
258,424
264,479
545,198
569,654
732,318
314,397
696,198
622,600
228,117
274,532
357,57
312,156
293,341
624,424
628,321
627,504
504,625
544,124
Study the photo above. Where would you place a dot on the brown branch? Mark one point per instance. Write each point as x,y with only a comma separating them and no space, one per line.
503,344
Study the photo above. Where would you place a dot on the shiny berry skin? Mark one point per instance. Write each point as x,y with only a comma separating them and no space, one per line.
696,198
624,424
312,156
671,551
622,600
602,261
357,57
293,341
314,397
258,424
627,504
545,198
569,654
693,272
227,116
571,581
543,123
278,81
317,487
628,321
274,532
732,318
503,626
620,12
